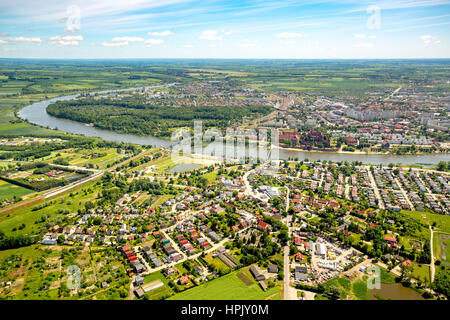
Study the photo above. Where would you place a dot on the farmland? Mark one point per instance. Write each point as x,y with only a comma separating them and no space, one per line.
8,191
228,287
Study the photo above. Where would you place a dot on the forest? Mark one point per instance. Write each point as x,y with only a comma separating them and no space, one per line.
134,116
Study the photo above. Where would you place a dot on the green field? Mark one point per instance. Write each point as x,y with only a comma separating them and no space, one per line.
33,219
8,191
441,247
442,221
228,287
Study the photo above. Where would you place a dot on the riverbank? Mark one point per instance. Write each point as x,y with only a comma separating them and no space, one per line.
360,152
36,114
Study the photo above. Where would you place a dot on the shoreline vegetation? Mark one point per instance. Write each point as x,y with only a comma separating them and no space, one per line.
356,152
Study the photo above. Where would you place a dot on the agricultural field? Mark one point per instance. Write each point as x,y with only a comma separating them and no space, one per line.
9,191
229,287
39,272
441,247
158,293
219,264
27,220
97,158
440,222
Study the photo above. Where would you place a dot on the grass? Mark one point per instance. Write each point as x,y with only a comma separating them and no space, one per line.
360,290
161,292
442,221
386,276
219,264
161,200
441,247
245,279
228,287
211,176
421,272
32,219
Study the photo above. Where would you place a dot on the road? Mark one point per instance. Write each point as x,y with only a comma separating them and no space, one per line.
375,188
432,269
287,273
289,292
404,194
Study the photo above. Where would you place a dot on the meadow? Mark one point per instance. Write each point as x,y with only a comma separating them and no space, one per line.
9,191
228,287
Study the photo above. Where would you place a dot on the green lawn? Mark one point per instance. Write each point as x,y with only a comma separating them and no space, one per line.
441,247
8,191
32,219
421,272
228,287
442,221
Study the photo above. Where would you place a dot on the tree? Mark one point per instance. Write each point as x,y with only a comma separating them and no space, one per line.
442,166
61,239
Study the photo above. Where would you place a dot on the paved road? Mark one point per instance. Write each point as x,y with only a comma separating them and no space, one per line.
405,195
432,269
287,273
289,292
375,188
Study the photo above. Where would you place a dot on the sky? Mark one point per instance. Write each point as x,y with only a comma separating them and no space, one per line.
283,29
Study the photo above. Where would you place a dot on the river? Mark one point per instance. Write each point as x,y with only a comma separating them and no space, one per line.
36,113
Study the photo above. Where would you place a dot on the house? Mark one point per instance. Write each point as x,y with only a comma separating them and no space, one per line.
139,267
298,276
263,285
298,257
351,141
183,280
301,273
406,263
138,281
257,274
169,271
264,226
139,292
390,240
273,268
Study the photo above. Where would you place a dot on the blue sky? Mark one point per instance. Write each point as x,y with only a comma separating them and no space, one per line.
225,29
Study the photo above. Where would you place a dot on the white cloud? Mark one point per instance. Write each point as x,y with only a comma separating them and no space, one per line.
360,35
372,36
364,45
3,42
114,44
161,34
65,43
127,39
70,29
153,42
289,35
25,39
210,35
428,39
66,38
188,46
